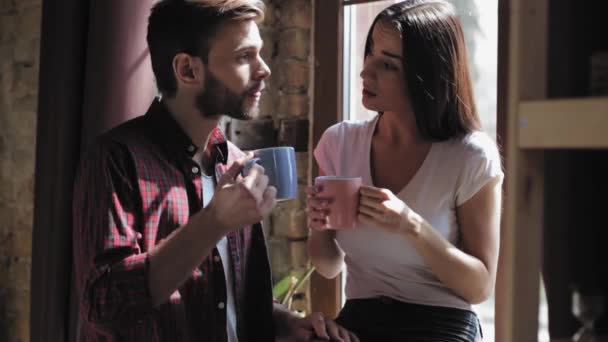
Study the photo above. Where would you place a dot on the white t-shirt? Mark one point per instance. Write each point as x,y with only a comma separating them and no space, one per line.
377,262
222,246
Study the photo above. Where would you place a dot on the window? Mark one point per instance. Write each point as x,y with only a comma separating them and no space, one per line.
480,21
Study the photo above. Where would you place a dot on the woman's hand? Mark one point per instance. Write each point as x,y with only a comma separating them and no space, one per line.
318,209
381,208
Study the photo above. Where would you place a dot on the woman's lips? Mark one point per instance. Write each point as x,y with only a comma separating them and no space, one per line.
367,93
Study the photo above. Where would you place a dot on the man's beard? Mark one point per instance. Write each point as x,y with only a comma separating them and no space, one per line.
217,99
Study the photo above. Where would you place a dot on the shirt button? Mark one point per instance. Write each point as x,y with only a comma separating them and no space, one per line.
194,169
221,305
191,148
217,258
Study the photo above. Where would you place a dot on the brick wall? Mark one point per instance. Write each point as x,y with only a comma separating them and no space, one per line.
19,46
285,109
287,34
289,101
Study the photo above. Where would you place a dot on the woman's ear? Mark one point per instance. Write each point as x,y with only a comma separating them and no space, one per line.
188,70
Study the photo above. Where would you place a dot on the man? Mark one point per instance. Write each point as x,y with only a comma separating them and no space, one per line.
167,240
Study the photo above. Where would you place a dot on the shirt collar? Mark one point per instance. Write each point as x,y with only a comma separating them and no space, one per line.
172,138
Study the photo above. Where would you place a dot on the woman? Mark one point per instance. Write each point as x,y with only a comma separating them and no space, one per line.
426,244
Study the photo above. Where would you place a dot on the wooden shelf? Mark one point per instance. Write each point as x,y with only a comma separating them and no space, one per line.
564,123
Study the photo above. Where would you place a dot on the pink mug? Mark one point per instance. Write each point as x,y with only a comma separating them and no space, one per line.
343,195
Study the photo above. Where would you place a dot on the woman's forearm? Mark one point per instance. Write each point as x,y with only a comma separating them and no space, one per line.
325,254
465,274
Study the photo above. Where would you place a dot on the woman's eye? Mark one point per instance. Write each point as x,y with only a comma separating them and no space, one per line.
389,66
244,57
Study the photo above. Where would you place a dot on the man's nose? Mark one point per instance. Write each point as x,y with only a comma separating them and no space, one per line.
264,70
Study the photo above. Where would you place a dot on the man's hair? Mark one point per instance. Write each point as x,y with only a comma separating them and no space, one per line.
435,66
189,26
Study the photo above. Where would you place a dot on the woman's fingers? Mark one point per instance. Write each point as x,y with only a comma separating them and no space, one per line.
317,203
371,212
318,214
373,192
371,202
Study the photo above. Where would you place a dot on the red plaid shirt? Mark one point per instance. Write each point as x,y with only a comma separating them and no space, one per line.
136,185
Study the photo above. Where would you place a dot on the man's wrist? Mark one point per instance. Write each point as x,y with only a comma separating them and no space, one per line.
208,218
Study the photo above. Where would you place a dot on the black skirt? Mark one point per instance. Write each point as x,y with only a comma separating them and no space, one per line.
386,319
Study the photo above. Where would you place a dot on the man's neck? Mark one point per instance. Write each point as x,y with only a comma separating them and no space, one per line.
192,122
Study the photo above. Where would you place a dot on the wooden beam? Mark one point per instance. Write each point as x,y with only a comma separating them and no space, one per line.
503,289
568,123
523,220
326,295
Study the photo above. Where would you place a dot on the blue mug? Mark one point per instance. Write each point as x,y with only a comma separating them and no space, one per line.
279,164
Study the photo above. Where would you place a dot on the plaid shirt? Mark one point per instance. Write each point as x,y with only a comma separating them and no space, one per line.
137,184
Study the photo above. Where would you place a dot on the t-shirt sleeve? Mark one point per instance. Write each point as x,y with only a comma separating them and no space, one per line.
326,150
482,164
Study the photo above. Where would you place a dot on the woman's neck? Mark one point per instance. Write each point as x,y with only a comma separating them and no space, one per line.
398,129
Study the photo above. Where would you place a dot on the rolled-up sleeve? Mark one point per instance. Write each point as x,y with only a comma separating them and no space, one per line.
111,268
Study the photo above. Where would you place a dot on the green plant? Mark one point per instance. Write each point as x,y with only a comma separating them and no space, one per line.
285,288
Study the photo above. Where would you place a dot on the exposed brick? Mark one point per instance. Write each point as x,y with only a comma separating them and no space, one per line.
268,106
25,81
296,13
270,16
253,134
7,27
8,6
19,273
19,58
269,49
299,255
3,146
7,76
293,76
279,258
7,195
28,22
26,51
26,103
4,267
293,105
17,306
27,4
294,132
17,243
289,219
294,43
302,164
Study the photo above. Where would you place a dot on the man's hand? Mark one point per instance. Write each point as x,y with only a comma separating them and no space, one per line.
240,201
316,326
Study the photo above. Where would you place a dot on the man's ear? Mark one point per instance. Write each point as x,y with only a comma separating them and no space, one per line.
188,70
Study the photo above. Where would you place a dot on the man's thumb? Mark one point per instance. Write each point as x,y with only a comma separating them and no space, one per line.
233,171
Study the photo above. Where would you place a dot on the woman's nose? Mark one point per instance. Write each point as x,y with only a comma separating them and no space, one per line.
366,73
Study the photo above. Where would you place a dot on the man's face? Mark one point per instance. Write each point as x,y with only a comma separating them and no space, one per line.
235,73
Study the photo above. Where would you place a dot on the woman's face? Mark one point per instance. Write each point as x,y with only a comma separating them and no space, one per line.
384,82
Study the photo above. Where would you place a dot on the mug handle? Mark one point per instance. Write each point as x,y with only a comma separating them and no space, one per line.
248,165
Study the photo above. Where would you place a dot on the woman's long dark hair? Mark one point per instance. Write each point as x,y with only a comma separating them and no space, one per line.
435,66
